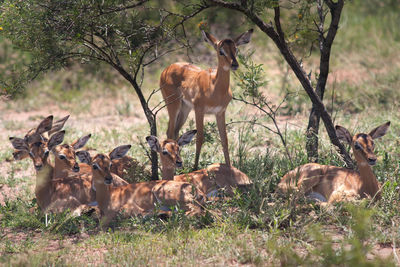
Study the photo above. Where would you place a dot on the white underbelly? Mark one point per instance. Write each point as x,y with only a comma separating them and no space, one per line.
317,197
213,110
188,103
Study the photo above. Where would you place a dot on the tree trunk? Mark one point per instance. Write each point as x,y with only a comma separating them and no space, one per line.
325,45
312,135
154,155
151,119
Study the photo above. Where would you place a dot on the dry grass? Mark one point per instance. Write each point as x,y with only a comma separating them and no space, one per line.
254,229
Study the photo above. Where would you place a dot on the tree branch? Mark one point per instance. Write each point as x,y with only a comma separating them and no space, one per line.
123,8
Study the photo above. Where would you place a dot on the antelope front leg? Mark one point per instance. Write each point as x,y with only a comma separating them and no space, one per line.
173,112
200,135
222,134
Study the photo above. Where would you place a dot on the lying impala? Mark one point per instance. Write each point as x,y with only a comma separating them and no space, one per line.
65,159
72,189
186,87
209,180
331,183
138,198
54,195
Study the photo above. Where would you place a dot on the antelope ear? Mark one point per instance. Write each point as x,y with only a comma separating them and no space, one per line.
119,152
33,137
380,130
45,125
153,143
81,142
19,143
56,139
58,125
20,154
186,138
343,134
30,136
244,38
84,157
209,38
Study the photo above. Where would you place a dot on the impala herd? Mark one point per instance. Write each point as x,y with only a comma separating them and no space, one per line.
64,184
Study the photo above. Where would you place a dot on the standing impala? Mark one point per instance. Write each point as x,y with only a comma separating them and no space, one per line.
209,180
331,183
186,87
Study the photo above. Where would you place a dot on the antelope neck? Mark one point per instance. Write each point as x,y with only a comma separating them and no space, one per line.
103,195
168,173
43,184
44,175
369,182
167,167
59,172
222,77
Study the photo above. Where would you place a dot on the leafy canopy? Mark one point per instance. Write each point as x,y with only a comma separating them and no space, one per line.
119,32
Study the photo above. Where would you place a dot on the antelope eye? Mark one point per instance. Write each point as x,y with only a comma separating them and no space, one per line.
95,167
61,157
357,146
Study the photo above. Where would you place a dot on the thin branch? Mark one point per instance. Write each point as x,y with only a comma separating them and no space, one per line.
253,122
278,23
124,8
157,57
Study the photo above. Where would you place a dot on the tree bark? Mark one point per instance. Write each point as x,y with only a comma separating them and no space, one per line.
151,118
325,45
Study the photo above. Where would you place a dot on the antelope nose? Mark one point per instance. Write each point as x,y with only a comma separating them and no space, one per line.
38,167
108,180
16,155
179,164
371,161
76,168
235,66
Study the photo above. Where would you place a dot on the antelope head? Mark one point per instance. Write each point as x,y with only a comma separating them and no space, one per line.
361,143
169,151
39,150
65,154
37,134
101,163
227,48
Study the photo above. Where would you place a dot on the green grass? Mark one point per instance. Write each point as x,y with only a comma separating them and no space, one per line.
258,227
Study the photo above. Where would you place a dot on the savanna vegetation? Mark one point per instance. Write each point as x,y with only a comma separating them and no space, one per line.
115,97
